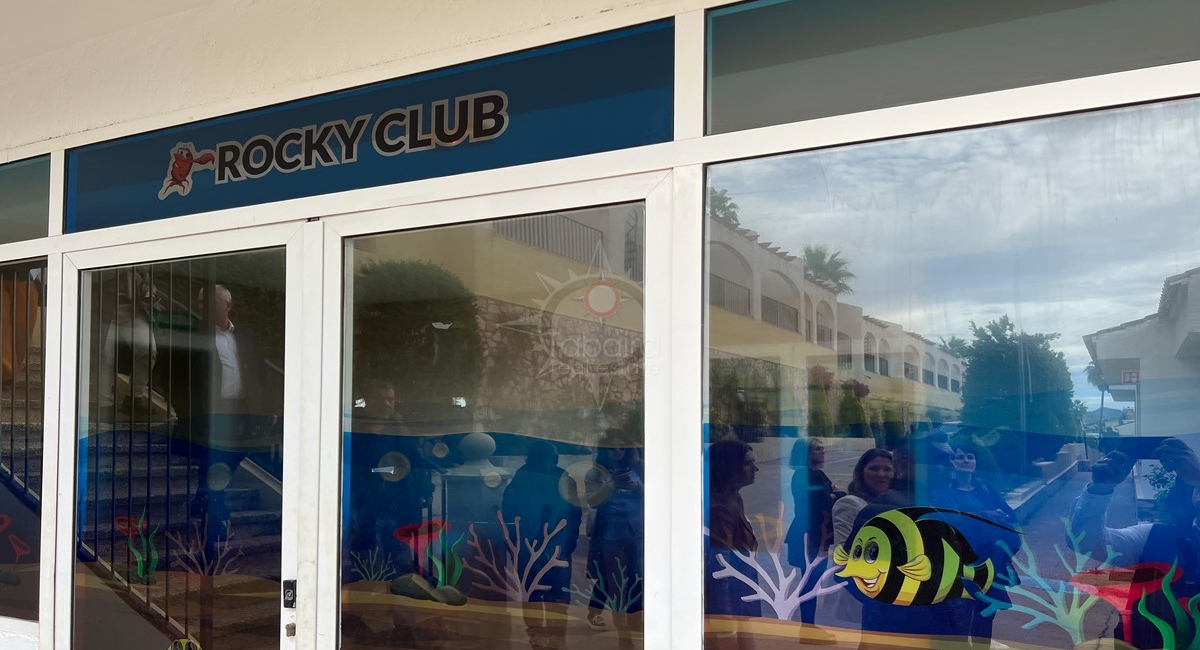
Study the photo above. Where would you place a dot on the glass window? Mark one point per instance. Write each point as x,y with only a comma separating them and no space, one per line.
773,61
1031,478
24,200
22,331
179,477
492,452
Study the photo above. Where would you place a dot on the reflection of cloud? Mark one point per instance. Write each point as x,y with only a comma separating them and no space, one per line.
1067,224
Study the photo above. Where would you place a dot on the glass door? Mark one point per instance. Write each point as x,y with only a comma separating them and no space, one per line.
495,469
181,430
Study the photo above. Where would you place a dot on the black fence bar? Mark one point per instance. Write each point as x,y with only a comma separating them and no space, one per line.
780,315
556,234
728,295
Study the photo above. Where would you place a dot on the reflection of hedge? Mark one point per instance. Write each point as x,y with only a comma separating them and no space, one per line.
743,395
895,430
852,418
395,307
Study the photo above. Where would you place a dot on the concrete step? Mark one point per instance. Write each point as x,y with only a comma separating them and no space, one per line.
181,550
246,524
22,414
21,402
118,498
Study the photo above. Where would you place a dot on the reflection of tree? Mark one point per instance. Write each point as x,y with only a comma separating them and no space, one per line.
1078,410
1096,378
721,208
415,325
1017,381
830,269
820,414
852,418
959,347
743,395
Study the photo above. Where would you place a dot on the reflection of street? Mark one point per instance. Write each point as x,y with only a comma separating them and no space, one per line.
1044,536
774,482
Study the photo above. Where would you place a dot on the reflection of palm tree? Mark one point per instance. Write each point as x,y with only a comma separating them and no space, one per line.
722,208
1096,378
828,268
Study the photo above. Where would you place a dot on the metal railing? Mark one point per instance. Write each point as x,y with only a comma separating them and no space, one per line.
21,387
728,295
780,315
557,234
151,412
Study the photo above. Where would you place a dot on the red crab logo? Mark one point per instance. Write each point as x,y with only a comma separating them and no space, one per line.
179,172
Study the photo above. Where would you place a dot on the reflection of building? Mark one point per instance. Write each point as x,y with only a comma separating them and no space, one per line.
1154,361
766,308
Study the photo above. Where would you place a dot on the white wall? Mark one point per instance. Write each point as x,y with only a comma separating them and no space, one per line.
16,634
74,66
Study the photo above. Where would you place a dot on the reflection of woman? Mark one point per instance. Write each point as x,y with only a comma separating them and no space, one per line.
813,493
535,508
731,467
872,477
615,543
972,494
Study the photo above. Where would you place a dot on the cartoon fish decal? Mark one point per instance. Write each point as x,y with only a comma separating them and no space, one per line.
904,557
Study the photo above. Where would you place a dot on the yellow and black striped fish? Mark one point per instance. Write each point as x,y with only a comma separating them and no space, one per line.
904,557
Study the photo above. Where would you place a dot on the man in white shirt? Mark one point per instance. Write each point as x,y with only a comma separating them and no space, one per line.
229,411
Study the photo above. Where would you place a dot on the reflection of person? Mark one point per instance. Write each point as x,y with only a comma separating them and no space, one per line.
813,493
136,299
390,482
731,467
969,493
617,531
535,505
923,467
379,409
229,406
873,476
1175,542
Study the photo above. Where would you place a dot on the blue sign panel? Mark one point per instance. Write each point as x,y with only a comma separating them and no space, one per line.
600,93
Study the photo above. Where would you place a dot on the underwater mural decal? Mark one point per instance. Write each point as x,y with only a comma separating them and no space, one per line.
907,557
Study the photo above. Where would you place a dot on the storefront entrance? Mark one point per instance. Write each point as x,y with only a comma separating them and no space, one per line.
185,428
418,427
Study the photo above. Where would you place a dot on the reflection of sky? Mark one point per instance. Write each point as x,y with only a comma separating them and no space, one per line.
1067,225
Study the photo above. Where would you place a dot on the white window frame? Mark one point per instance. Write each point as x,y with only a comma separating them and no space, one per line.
300,388
662,429
674,266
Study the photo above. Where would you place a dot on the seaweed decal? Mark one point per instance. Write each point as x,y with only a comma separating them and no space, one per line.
145,553
449,570
1182,632
1120,587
